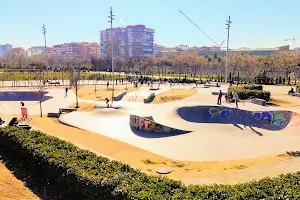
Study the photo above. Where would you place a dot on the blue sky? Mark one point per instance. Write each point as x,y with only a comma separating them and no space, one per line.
255,23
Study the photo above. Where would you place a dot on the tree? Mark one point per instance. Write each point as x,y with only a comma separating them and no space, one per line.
40,91
75,83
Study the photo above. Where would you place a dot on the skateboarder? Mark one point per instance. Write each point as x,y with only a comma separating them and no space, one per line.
107,102
220,97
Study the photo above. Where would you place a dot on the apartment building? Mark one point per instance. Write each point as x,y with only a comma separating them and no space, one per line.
129,42
5,50
84,50
38,50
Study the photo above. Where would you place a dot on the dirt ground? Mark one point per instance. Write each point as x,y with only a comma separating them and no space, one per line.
83,106
12,188
140,158
173,95
88,92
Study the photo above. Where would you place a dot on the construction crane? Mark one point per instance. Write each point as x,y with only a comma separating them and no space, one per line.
202,30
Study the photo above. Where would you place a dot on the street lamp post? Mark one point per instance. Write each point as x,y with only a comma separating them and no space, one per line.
226,67
112,54
293,39
44,31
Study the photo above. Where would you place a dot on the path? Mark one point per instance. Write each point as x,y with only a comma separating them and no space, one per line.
249,174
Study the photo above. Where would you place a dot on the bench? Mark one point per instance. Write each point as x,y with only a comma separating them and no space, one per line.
217,93
259,101
66,110
295,94
24,126
55,115
211,85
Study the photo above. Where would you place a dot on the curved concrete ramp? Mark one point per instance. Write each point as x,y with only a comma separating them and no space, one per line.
149,125
269,120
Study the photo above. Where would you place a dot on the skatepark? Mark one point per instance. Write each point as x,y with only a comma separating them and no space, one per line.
193,129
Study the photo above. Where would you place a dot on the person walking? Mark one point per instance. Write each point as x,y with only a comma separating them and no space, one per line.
66,90
236,98
220,97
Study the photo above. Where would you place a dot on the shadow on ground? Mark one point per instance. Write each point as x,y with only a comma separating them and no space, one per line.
146,134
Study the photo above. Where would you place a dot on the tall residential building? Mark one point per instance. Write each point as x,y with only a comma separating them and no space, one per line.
5,50
37,50
83,50
129,42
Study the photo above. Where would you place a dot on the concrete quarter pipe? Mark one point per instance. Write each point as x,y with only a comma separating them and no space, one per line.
269,120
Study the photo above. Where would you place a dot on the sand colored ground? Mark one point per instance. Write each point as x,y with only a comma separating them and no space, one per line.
12,188
174,95
88,92
83,106
139,158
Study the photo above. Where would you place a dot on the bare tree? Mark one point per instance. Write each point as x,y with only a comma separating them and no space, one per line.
40,92
75,83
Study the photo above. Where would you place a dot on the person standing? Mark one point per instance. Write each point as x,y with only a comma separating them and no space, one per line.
66,92
220,97
236,98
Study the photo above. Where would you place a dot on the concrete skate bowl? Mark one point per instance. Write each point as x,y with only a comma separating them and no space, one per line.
21,96
268,120
148,128
107,112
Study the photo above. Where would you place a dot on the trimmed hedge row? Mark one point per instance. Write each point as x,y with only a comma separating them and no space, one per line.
80,174
246,94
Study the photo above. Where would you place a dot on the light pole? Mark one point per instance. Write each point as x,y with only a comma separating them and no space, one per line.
112,54
44,31
293,39
228,28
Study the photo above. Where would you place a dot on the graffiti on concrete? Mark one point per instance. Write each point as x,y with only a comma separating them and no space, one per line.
20,96
271,120
148,125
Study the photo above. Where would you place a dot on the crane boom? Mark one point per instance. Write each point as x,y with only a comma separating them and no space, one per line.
199,29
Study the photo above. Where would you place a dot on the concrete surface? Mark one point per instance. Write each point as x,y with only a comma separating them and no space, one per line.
206,142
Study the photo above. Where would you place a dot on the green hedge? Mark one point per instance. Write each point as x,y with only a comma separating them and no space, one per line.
298,88
80,174
246,94
253,87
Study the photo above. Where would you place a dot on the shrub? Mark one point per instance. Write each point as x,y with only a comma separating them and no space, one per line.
246,94
253,87
80,174
298,88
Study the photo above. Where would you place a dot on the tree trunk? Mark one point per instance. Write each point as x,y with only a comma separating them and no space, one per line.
41,111
76,89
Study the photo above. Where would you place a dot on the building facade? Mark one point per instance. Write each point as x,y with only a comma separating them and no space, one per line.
38,50
129,42
84,50
5,50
